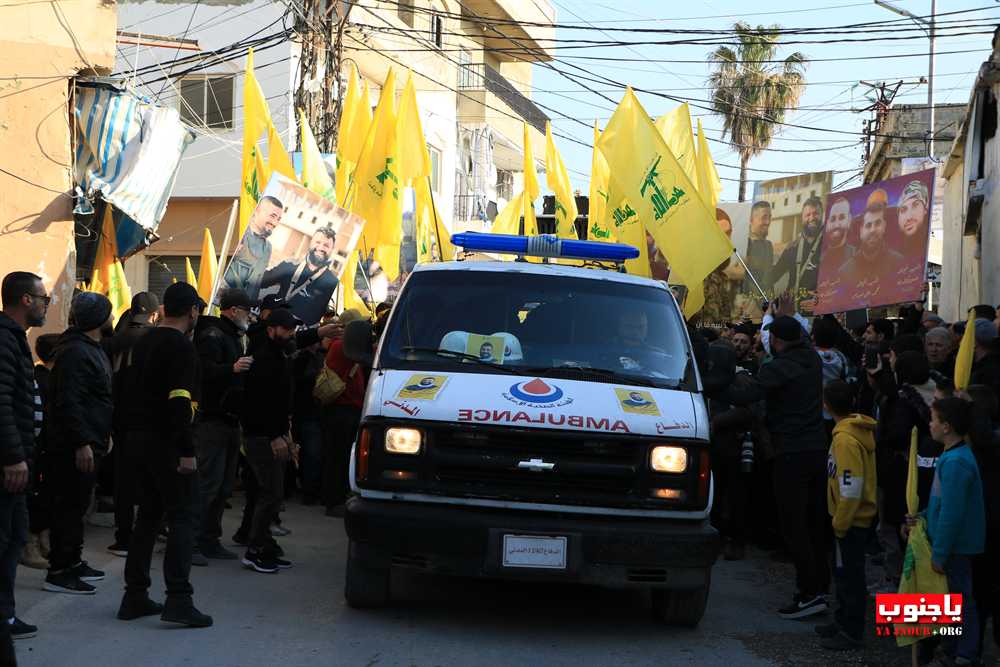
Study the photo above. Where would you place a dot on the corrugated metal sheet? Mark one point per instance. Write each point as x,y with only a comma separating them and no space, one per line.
127,151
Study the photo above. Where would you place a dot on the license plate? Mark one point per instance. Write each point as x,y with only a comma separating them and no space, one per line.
534,551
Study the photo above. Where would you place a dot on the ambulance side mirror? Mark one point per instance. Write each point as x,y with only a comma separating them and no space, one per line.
358,343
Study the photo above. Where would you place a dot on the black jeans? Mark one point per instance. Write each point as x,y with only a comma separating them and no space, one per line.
341,426
800,489
270,476
732,499
13,536
849,575
217,443
125,488
161,491
71,491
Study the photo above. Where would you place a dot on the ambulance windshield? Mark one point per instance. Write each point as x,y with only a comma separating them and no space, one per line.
555,326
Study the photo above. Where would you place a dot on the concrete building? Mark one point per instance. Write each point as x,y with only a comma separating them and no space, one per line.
910,121
45,46
472,100
971,248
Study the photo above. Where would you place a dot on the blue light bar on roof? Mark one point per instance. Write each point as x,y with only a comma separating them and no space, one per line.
545,245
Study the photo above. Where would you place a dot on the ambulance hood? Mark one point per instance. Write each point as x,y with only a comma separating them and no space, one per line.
535,402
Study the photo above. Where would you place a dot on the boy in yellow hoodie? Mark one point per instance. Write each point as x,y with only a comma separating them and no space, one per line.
850,497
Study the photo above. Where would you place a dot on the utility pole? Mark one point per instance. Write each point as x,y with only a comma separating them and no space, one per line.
321,23
929,28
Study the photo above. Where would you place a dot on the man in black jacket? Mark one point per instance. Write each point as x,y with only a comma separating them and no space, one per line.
220,343
142,318
25,304
161,397
267,406
792,387
78,422
305,337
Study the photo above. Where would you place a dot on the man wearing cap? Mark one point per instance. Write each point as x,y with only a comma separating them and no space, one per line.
791,385
267,408
136,323
250,261
220,342
78,424
911,214
304,337
163,391
307,286
874,258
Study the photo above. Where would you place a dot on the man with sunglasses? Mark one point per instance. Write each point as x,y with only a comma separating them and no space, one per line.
221,345
25,305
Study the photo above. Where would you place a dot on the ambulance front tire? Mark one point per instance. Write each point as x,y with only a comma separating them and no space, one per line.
681,608
365,587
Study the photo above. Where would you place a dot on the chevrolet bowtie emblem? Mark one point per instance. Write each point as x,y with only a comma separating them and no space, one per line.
535,465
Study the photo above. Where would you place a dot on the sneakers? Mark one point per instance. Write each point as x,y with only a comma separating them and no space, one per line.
281,562
259,561
21,630
198,559
802,607
118,549
827,630
84,572
135,607
32,555
217,552
277,530
67,582
185,615
841,642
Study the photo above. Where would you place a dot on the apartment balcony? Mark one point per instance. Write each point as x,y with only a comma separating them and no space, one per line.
486,95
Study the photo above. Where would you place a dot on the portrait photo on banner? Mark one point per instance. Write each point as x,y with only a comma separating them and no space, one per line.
782,247
295,247
875,244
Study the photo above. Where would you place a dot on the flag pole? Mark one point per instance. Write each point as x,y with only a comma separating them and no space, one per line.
750,273
437,223
222,252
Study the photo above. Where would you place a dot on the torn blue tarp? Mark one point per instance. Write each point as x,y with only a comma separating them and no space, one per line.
127,151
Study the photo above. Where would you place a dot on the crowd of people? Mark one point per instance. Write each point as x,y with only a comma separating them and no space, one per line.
816,432
165,413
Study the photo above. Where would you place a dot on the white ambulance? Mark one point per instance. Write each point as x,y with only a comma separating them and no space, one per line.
534,421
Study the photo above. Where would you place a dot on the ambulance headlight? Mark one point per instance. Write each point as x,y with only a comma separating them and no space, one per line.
665,458
403,441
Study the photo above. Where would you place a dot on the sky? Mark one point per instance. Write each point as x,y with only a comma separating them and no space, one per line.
832,99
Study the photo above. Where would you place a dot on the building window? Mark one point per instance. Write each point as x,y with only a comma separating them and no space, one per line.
435,168
505,185
404,10
798,198
207,101
437,30
786,201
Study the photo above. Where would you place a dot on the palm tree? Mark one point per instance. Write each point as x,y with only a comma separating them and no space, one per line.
752,90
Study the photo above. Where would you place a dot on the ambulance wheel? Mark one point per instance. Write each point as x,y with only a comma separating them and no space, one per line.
365,587
681,608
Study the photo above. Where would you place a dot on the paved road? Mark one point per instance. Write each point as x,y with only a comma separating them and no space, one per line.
298,617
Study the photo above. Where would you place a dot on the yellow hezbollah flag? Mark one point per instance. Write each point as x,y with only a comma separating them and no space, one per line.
109,275
118,290
208,268
966,354
531,189
508,221
598,227
355,120
351,298
675,127
646,172
256,118
262,174
277,156
315,177
430,229
708,177
379,193
189,276
558,181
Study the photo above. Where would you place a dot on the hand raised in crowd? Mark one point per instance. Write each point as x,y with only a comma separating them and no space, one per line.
187,465
334,330
15,477
785,305
85,459
242,364
279,447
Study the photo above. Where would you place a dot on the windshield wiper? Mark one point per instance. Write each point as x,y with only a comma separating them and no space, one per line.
463,356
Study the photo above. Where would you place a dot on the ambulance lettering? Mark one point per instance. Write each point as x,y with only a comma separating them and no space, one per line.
484,416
